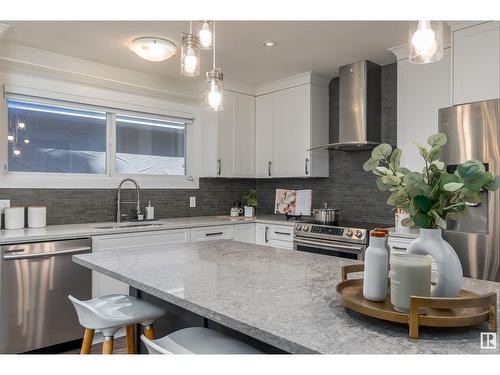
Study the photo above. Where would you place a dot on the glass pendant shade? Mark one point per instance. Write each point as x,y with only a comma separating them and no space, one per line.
190,55
425,41
153,49
205,34
214,91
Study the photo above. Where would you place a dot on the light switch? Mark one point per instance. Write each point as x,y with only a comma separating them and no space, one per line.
192,202
4,203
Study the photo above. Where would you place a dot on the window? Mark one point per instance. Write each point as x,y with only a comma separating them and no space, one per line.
150,146
56,139
48,136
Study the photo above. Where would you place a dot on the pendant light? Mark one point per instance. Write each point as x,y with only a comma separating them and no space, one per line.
425,41
215,87
190,54
205,34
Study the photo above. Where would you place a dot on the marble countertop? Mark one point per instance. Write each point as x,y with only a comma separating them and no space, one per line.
55,232
280,297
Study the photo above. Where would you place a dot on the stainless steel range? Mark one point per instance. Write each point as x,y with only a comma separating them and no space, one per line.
345,242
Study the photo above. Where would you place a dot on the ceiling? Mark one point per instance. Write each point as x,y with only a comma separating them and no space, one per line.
319,46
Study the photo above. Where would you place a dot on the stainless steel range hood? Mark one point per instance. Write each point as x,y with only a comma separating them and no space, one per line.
359,107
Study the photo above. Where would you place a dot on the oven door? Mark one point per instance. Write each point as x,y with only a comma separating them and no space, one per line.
332,248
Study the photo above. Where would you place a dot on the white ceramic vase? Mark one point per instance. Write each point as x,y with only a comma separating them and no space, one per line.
450,274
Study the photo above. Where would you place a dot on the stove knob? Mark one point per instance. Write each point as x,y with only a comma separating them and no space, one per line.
358,234
349,233
305,228
298,226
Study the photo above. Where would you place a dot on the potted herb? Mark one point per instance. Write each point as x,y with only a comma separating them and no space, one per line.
251,203
432,197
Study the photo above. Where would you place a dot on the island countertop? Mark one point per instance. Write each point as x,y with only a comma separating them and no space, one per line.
281,297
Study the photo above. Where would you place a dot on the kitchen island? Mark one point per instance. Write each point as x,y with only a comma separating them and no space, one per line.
280,297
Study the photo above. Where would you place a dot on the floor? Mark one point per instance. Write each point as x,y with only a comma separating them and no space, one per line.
119,347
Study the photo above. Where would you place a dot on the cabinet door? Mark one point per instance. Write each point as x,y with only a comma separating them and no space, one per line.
244,135
102,284
244,233
292,135
476,63
226,137
422,90
264,136
261,234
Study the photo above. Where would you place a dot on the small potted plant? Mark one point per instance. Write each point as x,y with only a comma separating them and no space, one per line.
431,197
251,203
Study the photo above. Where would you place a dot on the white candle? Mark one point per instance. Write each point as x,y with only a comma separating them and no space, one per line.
410,276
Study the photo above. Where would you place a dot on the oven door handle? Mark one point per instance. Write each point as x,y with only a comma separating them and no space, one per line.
334,245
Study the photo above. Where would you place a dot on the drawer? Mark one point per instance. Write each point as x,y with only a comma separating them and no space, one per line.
281,233
219,232
281,244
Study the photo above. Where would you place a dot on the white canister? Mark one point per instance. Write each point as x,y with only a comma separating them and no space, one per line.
376,268
37,217
248,211
14,217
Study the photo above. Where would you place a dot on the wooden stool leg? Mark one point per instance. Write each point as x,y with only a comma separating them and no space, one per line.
88,336
149,332
131,340
107,345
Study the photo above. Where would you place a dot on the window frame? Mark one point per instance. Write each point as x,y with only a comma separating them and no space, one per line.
110,179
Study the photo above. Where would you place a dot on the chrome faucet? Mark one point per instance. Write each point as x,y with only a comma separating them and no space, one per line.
118,212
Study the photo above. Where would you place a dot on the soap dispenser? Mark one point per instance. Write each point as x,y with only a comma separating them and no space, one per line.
150,211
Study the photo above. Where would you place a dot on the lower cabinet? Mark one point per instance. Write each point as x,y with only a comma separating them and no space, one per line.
102,284
244,233
274,235
216,232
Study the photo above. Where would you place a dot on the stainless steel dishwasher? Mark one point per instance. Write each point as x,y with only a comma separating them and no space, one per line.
35,281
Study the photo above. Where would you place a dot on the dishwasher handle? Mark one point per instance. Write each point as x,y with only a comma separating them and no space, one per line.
47,254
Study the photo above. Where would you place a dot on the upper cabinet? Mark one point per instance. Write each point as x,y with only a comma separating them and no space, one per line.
290,121
236,136
476,63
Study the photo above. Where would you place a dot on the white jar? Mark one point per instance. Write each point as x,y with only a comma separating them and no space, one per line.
376,268
37,217
14,217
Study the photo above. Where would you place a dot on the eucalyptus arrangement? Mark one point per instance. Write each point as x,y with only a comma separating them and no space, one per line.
251,198
433,195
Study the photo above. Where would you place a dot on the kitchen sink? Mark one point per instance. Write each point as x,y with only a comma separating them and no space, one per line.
128,225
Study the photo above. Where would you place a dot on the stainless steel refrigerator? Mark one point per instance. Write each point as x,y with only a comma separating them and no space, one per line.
473,132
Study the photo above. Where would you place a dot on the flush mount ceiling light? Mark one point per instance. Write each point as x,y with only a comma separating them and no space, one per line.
269,43
425,41
153,49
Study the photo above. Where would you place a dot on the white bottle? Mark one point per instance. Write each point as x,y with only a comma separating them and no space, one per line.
376,268
150,211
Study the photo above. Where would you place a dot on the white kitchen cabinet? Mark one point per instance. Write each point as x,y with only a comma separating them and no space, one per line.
290,121
236,136
244,232
274,235
102,284
422,90
216,232
476,63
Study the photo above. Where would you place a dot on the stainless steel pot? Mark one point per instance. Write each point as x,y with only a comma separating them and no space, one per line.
326,215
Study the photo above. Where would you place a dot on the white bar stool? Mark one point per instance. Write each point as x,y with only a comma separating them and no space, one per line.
112,312
197,340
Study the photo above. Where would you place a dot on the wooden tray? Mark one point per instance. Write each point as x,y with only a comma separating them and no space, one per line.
467,309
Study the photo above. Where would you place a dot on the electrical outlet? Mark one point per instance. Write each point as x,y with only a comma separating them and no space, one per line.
192,202
4,203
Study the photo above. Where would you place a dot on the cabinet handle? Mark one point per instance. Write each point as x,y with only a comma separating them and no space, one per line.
307,166
269,168
265,235
283,233
213,234
399,248
219,167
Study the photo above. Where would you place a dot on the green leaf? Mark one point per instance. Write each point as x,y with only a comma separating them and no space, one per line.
383,171
435,154
422,203
446,178
413,177
439,164
408,222
404,170
453,186
437,140
470,169
439,220
391,180
477,183
457,206
395,159
422,220
382,152
370,164
471,196
493,185
381,186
